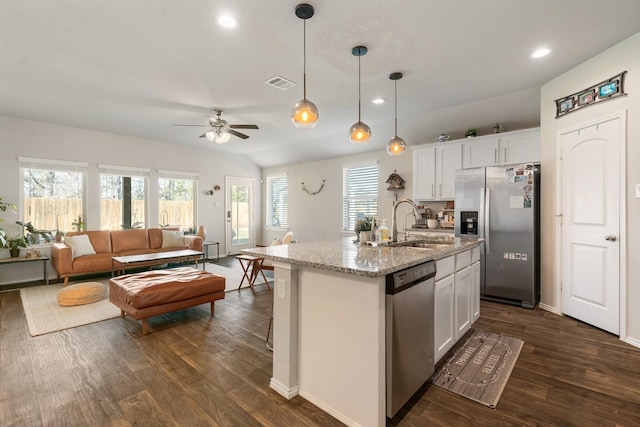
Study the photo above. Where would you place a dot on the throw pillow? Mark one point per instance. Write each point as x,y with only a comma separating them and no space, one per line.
171,239
80,245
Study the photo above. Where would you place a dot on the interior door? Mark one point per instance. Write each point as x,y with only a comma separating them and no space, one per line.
591,224
239,214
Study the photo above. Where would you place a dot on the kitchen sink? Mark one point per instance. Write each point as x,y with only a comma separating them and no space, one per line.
428,246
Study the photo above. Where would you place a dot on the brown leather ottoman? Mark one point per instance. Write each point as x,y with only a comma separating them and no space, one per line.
156,292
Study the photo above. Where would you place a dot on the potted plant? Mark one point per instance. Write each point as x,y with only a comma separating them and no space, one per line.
34,235
14,244
470,133
3,207
363,228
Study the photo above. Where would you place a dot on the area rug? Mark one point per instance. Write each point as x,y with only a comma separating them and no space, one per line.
233,276
480,368
44,315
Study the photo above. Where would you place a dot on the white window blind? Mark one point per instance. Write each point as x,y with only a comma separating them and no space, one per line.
277,201
360,194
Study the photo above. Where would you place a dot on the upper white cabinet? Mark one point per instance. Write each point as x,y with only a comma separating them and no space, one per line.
434,169
521,146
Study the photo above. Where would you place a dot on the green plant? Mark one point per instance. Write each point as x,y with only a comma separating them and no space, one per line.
137,224
365,224
4,206
78,224
470,132
16,242
45,234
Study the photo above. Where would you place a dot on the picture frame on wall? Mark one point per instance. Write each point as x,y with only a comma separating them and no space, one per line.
603,91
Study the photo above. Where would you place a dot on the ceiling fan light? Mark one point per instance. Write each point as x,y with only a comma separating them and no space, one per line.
210,135
222,137
305,114
360,133
396,146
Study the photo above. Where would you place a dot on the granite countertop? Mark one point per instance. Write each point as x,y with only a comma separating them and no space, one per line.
342,255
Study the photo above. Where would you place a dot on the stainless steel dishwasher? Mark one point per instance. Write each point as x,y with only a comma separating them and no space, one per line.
409,332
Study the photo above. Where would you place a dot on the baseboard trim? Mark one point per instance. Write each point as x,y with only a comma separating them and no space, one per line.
335,414
549,308
282,390
633,341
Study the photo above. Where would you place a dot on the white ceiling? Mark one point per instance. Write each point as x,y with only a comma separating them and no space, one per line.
138,67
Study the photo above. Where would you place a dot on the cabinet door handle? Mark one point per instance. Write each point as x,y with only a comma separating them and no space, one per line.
495,156
440,190
433,190
506,159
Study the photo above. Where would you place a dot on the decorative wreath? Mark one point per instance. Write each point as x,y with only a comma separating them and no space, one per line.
313,193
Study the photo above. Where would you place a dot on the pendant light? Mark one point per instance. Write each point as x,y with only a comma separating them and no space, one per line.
305,112
396,145
359,132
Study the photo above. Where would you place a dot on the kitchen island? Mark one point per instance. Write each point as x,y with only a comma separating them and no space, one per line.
329,321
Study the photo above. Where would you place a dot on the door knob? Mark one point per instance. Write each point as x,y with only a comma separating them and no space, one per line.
610,237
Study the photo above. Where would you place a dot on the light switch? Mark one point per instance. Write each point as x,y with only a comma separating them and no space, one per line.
637,191
281,289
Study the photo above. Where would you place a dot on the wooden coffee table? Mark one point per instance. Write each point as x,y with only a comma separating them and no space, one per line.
120,263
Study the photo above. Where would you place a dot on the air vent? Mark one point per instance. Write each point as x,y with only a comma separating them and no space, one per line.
280,83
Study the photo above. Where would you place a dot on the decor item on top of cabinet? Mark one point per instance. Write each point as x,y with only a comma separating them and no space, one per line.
498,128
442,138
312,193
603,91
470,133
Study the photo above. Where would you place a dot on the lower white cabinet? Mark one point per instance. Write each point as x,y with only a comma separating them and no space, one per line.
456,299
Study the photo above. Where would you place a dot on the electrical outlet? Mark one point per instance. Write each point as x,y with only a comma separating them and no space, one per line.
281,289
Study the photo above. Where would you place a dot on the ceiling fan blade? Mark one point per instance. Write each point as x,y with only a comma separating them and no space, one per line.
244,126
203,135
200,126
238,134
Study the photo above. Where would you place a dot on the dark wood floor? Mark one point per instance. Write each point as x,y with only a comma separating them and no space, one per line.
196,370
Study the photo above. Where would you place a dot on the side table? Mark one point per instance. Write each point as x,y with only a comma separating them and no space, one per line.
251,267
205,246
44,259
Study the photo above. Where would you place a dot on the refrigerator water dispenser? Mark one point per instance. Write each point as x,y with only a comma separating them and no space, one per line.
469,223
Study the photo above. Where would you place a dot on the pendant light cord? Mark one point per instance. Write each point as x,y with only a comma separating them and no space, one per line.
304,57
359,101
395,82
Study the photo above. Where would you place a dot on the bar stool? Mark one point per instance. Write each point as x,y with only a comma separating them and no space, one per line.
251,267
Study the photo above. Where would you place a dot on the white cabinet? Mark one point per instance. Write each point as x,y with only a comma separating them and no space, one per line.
434,169
502,149
456,300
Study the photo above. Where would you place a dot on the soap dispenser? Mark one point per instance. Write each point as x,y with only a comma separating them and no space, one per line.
384,231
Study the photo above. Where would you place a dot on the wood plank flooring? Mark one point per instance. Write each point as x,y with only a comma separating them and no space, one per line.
192,369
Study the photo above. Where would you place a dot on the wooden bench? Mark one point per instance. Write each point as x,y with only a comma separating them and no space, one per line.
156,292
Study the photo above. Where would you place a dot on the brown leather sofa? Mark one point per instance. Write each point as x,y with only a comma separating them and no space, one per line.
108,244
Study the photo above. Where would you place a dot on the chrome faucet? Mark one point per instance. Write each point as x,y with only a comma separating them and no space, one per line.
394,227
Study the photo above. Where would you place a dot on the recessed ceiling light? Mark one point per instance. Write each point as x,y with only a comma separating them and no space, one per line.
227,21
539,53
379,101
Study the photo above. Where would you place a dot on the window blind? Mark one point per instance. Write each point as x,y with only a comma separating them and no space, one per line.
360,194
278,201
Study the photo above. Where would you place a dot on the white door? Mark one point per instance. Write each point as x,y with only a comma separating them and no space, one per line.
591,224
239,214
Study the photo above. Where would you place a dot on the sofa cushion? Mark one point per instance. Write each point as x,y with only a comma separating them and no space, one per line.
81,245
155,236
100,239
127,240
172,239
93,263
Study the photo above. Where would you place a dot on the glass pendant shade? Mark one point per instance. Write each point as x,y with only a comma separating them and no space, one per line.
360,133
210,135
396,146
305,114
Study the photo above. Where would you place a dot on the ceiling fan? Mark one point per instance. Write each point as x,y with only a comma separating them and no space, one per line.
220,131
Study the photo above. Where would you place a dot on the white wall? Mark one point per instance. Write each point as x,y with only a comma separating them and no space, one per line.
49,141
621,57
319,217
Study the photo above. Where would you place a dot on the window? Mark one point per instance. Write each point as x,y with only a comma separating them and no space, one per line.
53,193
176,192
277,201
122,197
360,194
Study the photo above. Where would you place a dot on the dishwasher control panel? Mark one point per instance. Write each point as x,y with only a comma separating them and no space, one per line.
404,279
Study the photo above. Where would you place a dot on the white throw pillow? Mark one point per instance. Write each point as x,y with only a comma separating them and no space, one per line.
171,239
80,245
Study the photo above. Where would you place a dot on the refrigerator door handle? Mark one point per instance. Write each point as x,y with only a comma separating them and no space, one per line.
487,220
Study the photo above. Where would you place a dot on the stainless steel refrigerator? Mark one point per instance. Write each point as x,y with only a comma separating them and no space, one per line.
501,205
